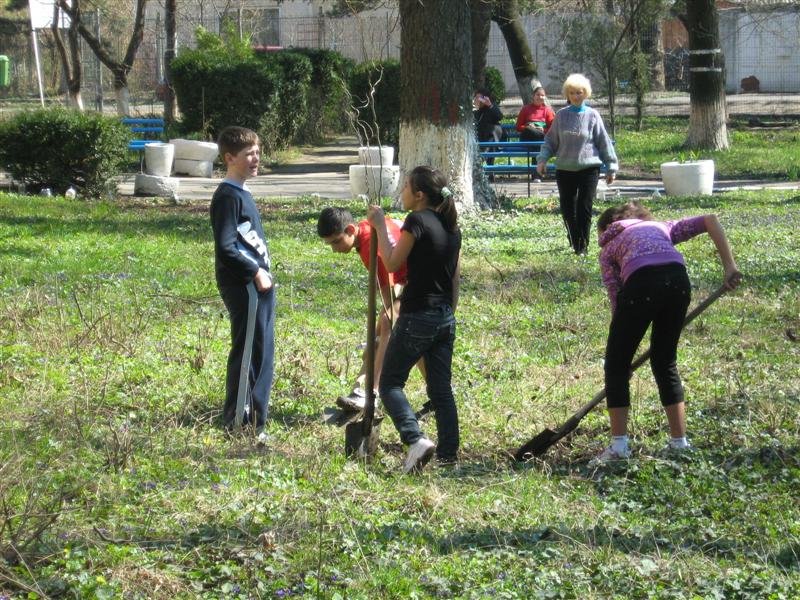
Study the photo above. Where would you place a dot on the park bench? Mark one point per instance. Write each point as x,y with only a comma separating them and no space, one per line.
512,158
147,129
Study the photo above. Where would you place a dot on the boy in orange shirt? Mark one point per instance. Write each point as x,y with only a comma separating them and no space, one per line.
340,231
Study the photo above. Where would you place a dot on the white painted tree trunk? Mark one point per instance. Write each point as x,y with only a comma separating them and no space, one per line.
450,149
75,100
123,96
707,125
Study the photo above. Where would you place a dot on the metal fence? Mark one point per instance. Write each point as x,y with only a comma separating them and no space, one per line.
762,48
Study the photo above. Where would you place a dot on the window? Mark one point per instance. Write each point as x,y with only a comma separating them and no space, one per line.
262,24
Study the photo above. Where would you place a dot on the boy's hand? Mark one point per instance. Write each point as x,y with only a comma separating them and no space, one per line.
610,177
540,169
732,278
262,280
375,216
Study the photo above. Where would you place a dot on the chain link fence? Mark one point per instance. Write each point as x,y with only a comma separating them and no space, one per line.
762,52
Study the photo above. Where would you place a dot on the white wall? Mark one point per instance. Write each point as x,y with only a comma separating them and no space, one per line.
762,43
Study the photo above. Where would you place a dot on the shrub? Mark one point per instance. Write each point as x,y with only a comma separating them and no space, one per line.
495,84
384,124
221,83
287,113
226,82
59,148
331,72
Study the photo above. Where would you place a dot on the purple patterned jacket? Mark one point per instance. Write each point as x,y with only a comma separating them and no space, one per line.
631,244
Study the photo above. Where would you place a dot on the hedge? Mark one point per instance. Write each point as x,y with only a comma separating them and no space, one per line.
59,148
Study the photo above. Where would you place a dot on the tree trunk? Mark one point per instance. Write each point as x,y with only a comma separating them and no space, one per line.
71,64
481,11
506,15
655,48
708,110
436,126
170,27
102,50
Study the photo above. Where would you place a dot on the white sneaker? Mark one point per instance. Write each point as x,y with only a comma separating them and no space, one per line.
419,453
262,439
608,455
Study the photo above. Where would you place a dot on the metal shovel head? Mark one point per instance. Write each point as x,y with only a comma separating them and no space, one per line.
537,446
358,443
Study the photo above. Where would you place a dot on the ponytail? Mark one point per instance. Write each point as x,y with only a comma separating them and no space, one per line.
433,184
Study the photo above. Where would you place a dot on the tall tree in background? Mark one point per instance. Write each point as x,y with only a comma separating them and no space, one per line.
436,125
481,20
70,62
506,15
170,28
708,112
103,49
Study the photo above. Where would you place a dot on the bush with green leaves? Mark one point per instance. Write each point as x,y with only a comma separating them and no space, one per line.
375,89
495,84
57,148
224,81
287,112
331,72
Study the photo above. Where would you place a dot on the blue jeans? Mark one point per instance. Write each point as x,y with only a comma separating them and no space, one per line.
428,333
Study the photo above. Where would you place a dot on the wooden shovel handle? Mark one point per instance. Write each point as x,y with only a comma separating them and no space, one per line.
641,359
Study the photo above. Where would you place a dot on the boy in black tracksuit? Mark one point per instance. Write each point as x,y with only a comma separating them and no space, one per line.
242,268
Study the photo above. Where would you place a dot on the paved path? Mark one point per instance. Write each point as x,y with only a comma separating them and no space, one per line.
323,171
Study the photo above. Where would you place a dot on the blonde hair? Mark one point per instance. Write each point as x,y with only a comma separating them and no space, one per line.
577,81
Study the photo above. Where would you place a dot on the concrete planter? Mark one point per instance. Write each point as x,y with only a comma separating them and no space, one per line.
194,168
376,156
154,185
194,150
158,159
689,178
374,181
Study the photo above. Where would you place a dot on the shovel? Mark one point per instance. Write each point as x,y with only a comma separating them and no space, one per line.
542,442
338,417
361,437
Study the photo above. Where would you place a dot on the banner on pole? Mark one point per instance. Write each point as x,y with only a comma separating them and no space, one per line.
42,14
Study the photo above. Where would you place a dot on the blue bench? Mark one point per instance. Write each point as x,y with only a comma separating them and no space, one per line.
524,153
516,156
149,130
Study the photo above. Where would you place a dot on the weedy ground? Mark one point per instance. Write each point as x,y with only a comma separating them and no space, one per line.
116,480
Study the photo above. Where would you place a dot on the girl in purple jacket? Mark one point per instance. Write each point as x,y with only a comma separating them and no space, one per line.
647,284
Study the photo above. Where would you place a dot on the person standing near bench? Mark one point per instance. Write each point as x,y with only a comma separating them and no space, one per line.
581,145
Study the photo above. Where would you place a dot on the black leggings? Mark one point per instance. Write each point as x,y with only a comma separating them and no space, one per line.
576,192
659,295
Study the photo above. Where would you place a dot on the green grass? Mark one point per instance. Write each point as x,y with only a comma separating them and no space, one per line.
117,482
772,153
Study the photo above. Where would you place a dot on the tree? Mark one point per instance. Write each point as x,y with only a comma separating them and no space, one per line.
102,49
70,63
436,125
506,14
708,110
481,23
170,27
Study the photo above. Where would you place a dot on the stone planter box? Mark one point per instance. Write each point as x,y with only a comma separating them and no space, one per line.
155,185
377,156
158,159
193,168
689,178
374,181
194,150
